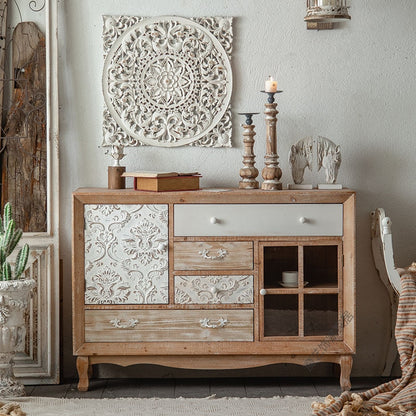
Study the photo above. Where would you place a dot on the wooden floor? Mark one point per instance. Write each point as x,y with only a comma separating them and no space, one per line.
173,388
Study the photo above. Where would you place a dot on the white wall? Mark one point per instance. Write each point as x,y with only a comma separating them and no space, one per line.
355,85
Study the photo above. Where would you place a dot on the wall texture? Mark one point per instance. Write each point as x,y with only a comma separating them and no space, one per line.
354,85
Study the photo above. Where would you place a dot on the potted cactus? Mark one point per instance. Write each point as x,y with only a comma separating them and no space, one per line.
15,292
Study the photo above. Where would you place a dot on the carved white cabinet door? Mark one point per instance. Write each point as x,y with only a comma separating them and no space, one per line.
126,254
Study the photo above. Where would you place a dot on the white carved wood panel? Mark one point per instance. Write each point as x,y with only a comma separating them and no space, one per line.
126,254
36,364
167,81
213,289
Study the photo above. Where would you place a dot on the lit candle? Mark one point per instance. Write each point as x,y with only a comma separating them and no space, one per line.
270,85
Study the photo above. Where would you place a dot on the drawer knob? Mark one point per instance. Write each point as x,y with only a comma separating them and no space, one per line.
303,220
221,253
263,292
162,246
206,323
213,220
131,323
214,290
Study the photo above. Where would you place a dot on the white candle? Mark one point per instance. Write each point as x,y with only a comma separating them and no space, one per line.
270,85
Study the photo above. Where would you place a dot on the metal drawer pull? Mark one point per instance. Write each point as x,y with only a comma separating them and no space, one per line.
221,253
303,220
206,323
131,323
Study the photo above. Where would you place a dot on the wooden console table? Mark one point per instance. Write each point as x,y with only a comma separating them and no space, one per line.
194,279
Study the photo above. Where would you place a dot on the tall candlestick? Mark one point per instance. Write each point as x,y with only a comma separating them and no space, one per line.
248,172
271,173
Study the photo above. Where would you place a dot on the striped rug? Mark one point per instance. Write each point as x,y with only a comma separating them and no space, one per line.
396,397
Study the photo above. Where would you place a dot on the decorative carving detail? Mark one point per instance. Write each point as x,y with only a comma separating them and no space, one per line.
221,254
131,323
300,157
123,260
328,156
213,289
14,298
206,323
167,81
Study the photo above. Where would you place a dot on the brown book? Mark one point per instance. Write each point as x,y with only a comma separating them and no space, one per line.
167,183
157,174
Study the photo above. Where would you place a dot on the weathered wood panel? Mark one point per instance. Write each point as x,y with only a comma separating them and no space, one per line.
168,325
24,166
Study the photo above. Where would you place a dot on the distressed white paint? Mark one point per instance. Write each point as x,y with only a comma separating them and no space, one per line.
213,289
40,363
261,219
355,85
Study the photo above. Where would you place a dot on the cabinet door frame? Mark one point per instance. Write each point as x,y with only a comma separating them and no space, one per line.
300,291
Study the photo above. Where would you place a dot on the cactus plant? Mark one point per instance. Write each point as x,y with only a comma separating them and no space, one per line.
9,238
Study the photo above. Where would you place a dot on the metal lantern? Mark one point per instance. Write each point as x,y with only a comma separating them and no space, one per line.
321,14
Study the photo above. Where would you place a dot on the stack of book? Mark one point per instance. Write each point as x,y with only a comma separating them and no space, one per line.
164,181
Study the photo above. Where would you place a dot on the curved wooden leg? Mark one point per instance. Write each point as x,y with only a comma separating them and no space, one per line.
84,369
346,366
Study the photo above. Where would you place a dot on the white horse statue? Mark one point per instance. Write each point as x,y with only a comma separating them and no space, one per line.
328,156
300,157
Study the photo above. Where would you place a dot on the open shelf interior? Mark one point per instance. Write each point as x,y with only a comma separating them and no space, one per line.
320,315
276,261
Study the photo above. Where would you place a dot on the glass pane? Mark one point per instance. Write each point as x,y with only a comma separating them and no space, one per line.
281,315
276,261
321,266
321,315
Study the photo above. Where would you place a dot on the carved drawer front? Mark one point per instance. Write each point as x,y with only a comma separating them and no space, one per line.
209,255
258,219
168,325
126,254
213,289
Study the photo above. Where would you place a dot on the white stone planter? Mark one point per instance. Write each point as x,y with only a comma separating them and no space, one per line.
14,299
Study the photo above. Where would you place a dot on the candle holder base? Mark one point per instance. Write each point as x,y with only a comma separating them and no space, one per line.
248,184
271,185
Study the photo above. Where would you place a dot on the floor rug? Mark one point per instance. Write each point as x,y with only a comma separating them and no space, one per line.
211,406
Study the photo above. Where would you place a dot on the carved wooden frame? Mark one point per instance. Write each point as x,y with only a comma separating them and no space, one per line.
40,363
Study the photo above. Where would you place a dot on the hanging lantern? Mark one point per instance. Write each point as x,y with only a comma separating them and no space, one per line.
321,14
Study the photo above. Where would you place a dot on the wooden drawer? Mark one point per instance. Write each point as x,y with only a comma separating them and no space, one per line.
168,325
258,219
210,255
213,289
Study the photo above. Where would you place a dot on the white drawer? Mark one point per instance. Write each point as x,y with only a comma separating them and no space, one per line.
258,220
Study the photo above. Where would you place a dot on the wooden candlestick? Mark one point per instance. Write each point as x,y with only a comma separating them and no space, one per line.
248,172
271,173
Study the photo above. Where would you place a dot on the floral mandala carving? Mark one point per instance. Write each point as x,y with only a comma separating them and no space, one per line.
167,81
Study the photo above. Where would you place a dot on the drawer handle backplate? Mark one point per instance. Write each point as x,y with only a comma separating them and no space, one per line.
131,323
206,323
221,253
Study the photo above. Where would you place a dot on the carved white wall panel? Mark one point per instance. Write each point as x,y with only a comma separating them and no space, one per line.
36,364
213,289
167,81
126,255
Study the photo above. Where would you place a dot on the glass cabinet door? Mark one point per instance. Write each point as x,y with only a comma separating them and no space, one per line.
300,289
